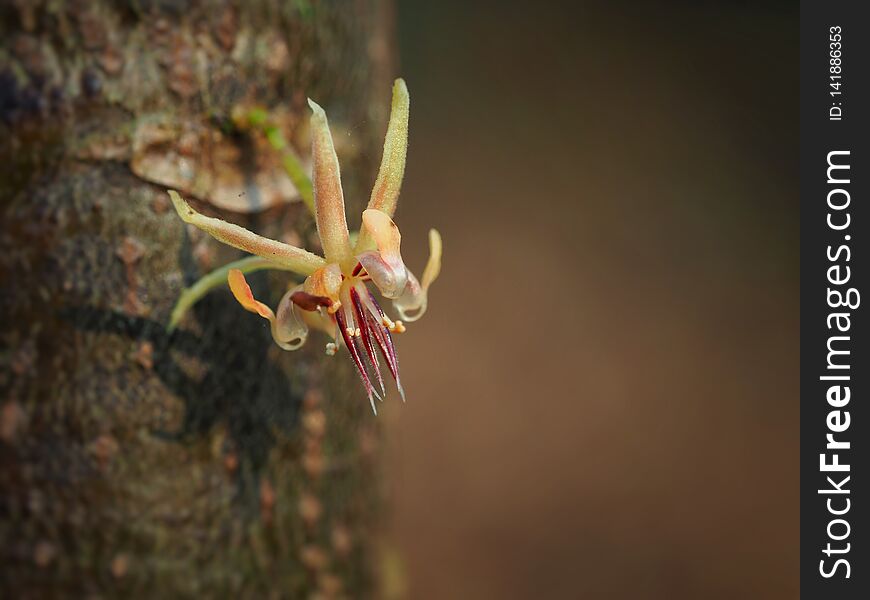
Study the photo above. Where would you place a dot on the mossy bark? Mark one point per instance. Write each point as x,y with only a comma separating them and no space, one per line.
205,462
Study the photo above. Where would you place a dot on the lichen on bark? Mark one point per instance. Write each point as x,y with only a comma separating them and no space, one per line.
203,462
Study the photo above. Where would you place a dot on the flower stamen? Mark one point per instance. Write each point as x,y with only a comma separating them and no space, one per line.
365,334
357,359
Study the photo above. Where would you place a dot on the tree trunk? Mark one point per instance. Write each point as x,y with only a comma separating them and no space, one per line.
205,462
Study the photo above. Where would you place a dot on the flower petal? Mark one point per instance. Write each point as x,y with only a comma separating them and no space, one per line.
242,291
412,304
325,282
328,196
385,266
385,193
288,328
433,265
296,259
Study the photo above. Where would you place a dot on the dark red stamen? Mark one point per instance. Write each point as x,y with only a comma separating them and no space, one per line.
366,335
355,355
385,341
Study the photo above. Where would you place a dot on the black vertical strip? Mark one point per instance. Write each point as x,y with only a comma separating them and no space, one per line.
835,225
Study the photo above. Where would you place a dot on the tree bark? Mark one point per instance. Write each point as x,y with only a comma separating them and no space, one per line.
205,462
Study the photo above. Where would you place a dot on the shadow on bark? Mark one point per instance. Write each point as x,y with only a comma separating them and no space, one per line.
253,410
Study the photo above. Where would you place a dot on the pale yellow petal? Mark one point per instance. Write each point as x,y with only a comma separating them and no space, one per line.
328,196
289,329
324,282
433,265
414,301
385,266
295,259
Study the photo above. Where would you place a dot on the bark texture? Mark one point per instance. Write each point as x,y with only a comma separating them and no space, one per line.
206,462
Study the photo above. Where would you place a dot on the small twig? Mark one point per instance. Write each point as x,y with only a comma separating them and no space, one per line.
215,279
258,118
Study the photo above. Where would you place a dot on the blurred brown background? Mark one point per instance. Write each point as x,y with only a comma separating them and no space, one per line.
603,398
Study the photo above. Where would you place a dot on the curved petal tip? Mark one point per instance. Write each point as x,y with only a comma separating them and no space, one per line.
244,296
414,301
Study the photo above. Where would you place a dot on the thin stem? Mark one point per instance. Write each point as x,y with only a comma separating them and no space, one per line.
215,279
258,118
